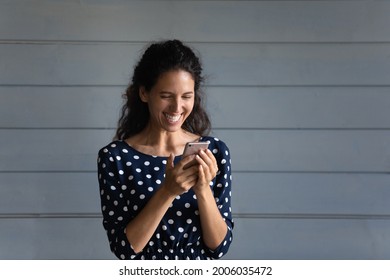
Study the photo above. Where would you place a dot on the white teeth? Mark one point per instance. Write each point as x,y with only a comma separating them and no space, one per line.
173,118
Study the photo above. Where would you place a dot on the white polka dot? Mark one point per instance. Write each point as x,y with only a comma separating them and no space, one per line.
164,227
194,229
120,218
131,177
215,151
172,237
128,163
187,205
158,182
105,150
223,161
147,163
111,174
180,229
150,189
118,158
111,213
125,209
220,255
148,176
132,192
164,161
170,221
138,170
113,145
140,183
135,207
142,196
121,172
136,157
178,213
156,168
124,187
113,188
122,257
125,151
189,221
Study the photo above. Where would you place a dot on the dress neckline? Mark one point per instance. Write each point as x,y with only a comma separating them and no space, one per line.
150,155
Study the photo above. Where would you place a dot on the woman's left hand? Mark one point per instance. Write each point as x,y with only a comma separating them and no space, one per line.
208,169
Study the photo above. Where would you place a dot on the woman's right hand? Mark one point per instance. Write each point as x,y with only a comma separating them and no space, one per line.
179,179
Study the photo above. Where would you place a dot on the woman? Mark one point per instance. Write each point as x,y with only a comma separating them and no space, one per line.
154,206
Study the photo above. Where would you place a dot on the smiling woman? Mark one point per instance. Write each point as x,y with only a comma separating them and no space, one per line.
170,101
155,204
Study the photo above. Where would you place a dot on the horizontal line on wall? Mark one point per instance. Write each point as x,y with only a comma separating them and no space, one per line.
312,216
205,86
50,215
142,42
293,216
219,128
234,172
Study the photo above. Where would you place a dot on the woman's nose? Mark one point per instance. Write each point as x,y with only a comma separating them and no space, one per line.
175,105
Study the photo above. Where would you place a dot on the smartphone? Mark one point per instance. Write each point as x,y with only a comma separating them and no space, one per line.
193,148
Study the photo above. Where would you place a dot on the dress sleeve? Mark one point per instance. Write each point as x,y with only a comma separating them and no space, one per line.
222,186
114,204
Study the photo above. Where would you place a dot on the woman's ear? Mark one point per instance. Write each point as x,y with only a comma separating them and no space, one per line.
143,94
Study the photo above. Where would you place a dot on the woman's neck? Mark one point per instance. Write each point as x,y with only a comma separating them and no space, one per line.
161,143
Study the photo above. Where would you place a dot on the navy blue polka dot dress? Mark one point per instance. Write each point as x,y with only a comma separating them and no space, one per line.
129,178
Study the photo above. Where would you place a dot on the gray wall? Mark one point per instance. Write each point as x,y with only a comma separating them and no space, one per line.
299,90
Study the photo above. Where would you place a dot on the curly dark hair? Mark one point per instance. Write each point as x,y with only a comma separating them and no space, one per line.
161,57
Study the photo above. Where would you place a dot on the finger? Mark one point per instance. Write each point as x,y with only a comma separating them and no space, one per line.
207,160
213,161
187,162
209,164
205,171
169,164
202,175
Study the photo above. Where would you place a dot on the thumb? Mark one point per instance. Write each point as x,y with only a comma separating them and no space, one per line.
170,162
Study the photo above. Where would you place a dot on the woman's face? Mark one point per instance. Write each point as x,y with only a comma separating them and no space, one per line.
171,100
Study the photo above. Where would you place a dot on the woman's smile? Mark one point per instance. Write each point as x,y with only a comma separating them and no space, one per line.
172,118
